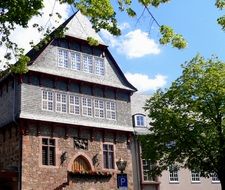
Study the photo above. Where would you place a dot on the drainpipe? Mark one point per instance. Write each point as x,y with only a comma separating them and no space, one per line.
20,136
137,160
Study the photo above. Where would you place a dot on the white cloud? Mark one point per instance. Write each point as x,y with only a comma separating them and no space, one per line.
144,83
22,36
124,26
138,44
134,44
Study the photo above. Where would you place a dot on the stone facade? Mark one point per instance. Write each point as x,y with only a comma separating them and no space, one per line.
37,176
44,145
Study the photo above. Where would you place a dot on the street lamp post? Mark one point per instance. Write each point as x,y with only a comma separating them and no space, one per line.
122,182
121,165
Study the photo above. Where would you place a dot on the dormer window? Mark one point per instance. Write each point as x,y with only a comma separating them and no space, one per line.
139,120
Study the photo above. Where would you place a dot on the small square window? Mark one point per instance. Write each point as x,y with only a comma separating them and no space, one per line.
139,120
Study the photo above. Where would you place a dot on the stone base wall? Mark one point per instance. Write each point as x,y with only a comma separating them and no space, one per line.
39,177
9,147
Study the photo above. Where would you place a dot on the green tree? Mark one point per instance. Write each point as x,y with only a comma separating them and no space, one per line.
102,14
188,121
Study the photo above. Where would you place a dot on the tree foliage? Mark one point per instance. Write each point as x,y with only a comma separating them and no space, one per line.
102,14
188,120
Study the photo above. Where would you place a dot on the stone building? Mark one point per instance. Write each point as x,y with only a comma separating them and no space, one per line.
66,121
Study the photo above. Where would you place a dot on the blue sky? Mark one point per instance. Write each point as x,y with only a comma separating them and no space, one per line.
146,64
196,20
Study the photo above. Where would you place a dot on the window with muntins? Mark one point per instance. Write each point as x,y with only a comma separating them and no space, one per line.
139,120
108,156
87,63
86,106
81,62
110,110
99,66
99,108
61,102
76,61
195,177
74,105
47,100
63,58
146,168
48,152
173,174
215,178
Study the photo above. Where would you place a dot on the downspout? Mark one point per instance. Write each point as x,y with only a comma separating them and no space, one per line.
137,160
14,99
20,136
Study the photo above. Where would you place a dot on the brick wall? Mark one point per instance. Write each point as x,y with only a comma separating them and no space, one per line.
39,177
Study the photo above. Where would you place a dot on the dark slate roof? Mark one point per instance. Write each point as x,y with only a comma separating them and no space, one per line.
79,34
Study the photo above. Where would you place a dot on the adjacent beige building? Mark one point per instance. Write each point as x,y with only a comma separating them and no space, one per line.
182,179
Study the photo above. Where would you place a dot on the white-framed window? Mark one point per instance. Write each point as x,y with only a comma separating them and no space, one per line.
87,63
111,110
146,168
195,177
47,100
63,58
74,104
99,66
81,62
139,120
61,102
173,174
99,108
215,178
75,60
87,106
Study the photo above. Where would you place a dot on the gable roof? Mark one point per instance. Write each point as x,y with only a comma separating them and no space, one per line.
79,28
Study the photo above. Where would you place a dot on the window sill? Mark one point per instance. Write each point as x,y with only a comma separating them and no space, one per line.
49,166
215,182
150,182
196,182
174,182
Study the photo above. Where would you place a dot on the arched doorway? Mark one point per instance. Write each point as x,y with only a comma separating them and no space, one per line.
81,164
